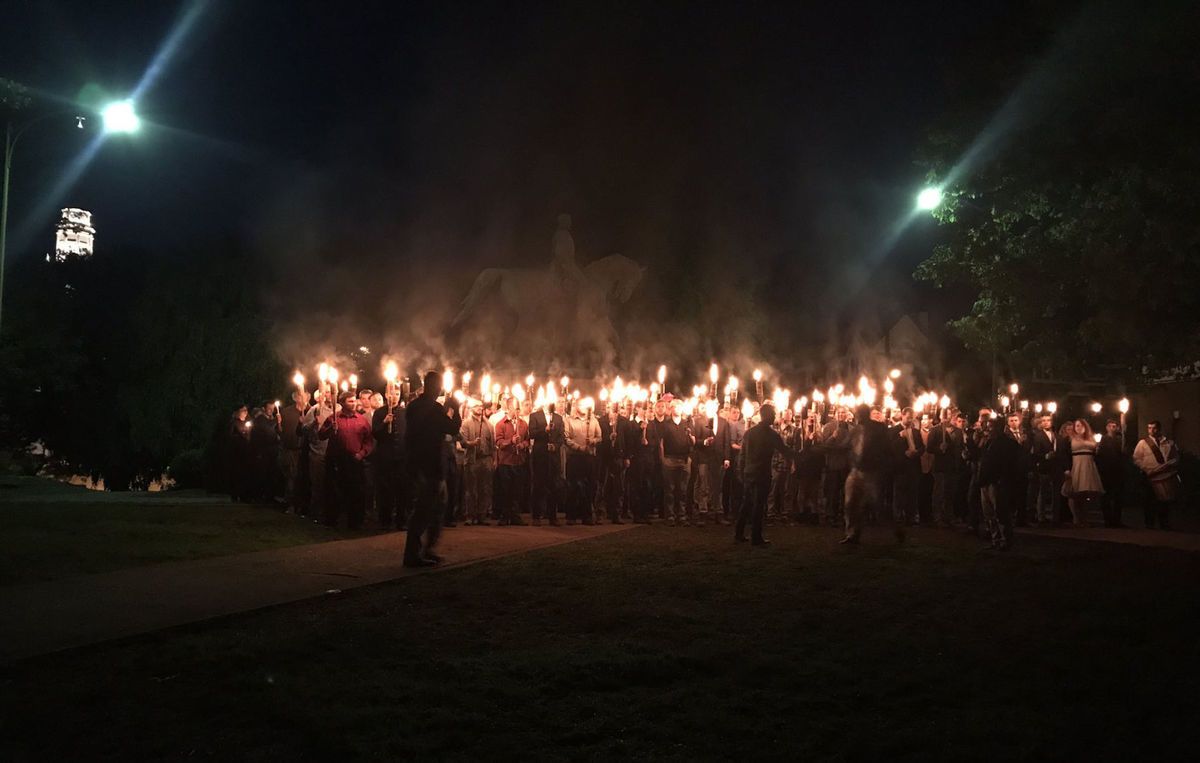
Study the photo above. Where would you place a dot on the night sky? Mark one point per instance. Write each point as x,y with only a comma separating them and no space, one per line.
701,139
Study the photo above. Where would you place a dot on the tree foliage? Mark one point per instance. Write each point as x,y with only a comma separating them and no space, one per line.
120,363
1080,229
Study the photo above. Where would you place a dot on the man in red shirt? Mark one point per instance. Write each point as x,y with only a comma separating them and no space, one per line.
512,449
350,441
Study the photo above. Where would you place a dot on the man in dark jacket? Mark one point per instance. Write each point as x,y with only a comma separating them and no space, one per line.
429,424
675,446
264,452
870,456
1017,496
610,453
291,450
1046,474
642,450
1000,473
946,444
835,444
759,445
908,447
547,432
391,478
1112,462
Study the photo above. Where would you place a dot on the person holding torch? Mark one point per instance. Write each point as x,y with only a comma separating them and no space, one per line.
350,442
393,500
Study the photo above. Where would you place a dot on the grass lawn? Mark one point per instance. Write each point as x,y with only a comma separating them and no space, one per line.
664,643
50,530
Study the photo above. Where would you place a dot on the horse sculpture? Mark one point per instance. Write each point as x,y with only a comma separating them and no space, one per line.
577,312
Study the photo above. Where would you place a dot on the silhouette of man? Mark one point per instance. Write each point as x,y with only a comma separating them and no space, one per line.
429,424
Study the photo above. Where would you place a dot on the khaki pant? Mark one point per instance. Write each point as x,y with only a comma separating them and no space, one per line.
477,490
316,484
289,467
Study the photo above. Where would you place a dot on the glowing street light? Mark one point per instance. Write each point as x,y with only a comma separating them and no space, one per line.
929,199
120,117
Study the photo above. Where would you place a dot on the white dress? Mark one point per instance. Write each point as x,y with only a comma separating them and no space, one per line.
1085,477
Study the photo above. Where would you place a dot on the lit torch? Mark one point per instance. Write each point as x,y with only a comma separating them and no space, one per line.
390,372
758,385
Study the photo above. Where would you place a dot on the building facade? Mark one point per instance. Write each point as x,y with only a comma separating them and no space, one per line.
74,236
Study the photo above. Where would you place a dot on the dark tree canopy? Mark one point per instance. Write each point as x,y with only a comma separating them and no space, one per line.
121,363
1077,216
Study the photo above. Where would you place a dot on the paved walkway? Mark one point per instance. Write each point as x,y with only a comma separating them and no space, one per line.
1184,541
39,618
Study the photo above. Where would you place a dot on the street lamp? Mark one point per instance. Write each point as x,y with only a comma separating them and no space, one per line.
118,117
929,199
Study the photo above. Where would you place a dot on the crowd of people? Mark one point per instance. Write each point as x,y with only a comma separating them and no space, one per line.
431,461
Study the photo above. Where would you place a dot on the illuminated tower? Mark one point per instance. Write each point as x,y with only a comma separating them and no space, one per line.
74,235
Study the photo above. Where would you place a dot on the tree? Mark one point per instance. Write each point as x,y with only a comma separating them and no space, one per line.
120,363
1077,223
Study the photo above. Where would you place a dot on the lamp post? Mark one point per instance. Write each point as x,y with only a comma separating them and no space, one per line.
119,117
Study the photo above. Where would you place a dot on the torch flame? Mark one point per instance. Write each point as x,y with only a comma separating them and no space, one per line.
298,379
1123,405
391,371
323,372
662,375
714,373
757,375
447,381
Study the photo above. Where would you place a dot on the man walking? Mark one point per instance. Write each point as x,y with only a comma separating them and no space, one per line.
870,455
429,424
759,446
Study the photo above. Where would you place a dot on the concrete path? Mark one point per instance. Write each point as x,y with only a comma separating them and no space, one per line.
38,618
1184,541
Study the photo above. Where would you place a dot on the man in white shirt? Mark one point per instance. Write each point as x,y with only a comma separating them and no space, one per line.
582,437
1158,458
